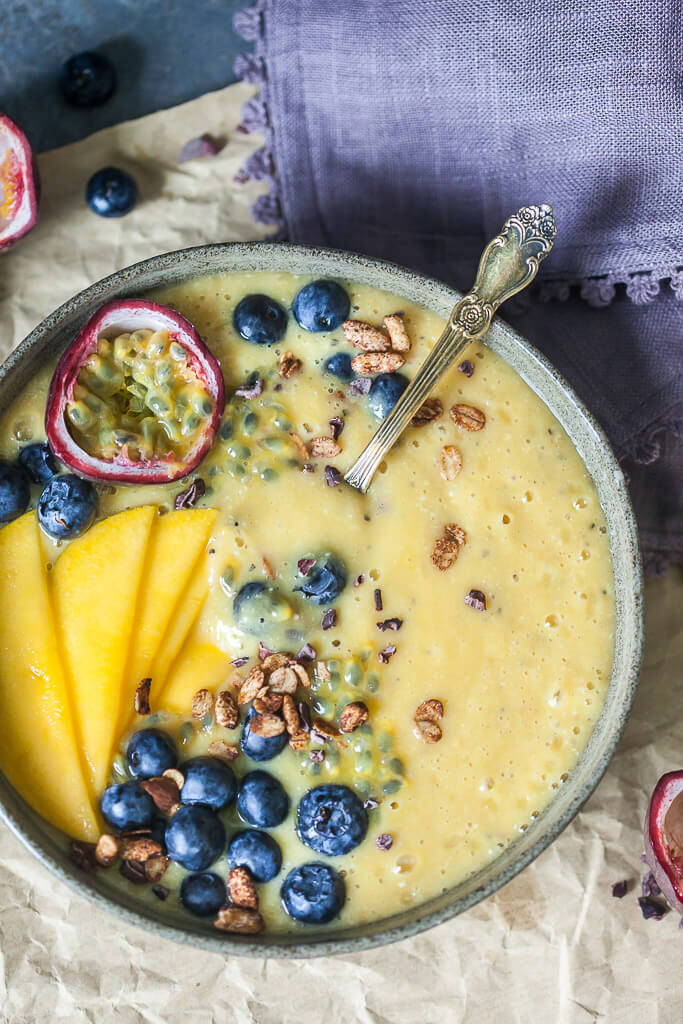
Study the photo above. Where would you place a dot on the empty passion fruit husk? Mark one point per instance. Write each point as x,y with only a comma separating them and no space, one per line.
19,185
664,838
136,398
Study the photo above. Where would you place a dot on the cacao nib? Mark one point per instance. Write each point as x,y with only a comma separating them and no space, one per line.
360,578
651,908
393,623
252,389
329,619
332,476
384,841
619,889
238,662
387,653
83,855
308,467
476,599
317,756
360,386
379,604
304,565
307,653
466,367
134,871
336,426
160,891
371,803
189,497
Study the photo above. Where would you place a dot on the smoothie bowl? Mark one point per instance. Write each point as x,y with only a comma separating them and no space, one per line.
248,707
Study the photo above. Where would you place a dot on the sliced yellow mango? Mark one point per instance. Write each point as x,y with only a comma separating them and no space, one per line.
39,752
95,586
199,666
175,545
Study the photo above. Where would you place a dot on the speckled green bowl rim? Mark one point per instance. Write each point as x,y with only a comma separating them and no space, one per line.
48,339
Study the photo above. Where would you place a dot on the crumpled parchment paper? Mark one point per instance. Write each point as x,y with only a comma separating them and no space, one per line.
552,947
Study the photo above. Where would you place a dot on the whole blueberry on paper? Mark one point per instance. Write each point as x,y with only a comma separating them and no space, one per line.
111,192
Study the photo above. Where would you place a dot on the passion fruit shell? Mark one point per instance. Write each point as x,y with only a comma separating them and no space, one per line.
19,184
664,838
136,398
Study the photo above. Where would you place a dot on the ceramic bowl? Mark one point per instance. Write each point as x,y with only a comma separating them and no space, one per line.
48,340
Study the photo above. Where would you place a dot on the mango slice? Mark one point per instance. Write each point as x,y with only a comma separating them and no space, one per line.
95,586
39,752
175,545
199,666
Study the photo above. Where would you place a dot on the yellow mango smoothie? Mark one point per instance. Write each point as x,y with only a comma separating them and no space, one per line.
392,685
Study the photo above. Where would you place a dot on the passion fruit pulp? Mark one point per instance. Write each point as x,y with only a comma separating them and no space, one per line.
664,838
18,184
136,398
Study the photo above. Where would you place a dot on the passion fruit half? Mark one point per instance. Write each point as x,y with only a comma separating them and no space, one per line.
136,398
664,838
18,184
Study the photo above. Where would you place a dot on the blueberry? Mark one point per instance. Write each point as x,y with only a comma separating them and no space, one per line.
195,837
158,831
208,781
313,893
258,606
325,582
204,894
111,192
321,306
39,462
15,492
67,506
260,748
150,752
331,820
256,851
127,806
262,800
88,79
385,392
260,319
339,365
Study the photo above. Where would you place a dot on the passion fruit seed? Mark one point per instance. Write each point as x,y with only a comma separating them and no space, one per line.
139,394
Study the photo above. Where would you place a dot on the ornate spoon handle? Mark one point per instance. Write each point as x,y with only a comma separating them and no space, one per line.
508,264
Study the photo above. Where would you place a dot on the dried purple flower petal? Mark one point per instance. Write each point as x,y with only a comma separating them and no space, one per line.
252,389
204,145
336,426
370,803
379,604
360,578
387,653
317,756
304,565
238,662
649,885
189,497
384,841
466,367
476,599
329,619
360,386
263,651
307,653
308,467
619,889
651,908
332,476
393,623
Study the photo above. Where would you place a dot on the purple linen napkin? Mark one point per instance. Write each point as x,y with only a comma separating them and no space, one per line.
410,131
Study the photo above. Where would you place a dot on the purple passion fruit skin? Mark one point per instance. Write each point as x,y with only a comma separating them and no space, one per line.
19,184
664,838
136,398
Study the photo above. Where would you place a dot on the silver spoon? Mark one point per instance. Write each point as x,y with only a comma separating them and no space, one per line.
508,263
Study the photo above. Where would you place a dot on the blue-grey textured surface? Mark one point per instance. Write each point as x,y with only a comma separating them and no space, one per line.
164,52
